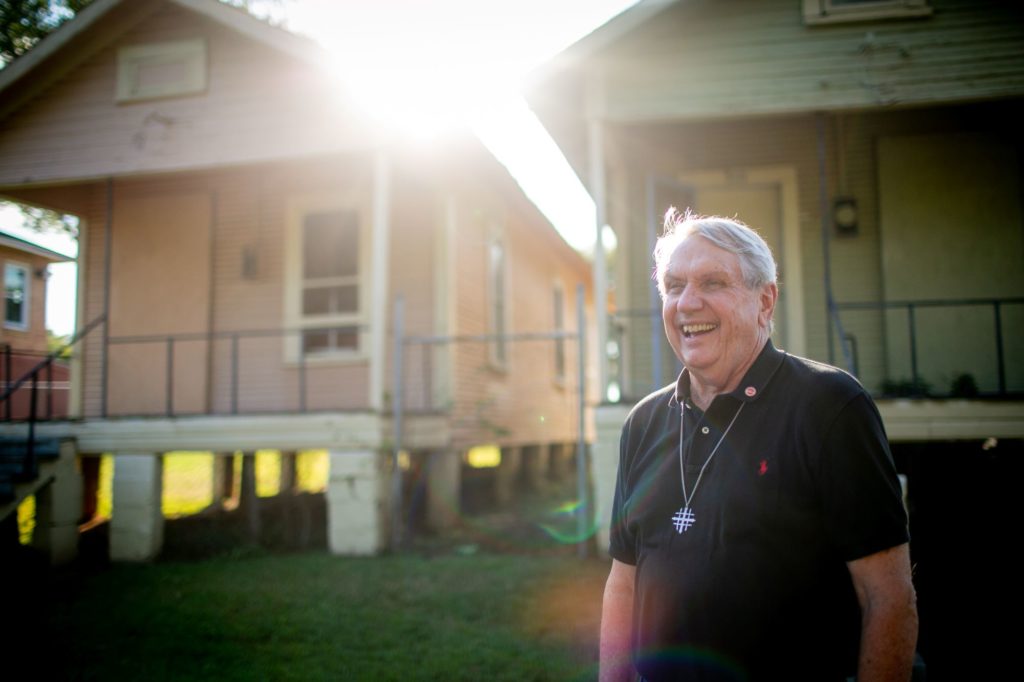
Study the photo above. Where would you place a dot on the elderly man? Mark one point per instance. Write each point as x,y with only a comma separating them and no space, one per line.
758,530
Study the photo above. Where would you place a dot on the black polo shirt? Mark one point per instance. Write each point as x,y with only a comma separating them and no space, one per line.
757,587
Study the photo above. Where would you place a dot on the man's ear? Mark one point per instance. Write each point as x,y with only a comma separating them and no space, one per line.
769,297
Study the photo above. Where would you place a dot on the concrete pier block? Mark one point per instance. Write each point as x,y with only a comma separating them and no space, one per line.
289,473
561,458
223,478
508,473
444,486
137,524
356,503
58,508
536,461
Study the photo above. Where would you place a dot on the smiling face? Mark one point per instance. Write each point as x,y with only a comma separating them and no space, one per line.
716,324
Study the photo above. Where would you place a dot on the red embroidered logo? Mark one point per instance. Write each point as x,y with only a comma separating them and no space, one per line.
763,468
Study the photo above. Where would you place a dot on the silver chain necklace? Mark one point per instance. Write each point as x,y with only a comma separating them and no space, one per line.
684,518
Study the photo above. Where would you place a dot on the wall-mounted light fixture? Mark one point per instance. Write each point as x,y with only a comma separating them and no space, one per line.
844,216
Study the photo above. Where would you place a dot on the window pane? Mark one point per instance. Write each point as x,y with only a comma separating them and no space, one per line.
330,244
559,304
328,340
346,338
15,279
497,276
314,341
316,301
328,300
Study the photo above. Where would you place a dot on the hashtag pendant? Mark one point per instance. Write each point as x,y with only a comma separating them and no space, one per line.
683,519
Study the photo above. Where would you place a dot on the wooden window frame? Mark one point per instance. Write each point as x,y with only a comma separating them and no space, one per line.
295,285
558,323
190,54
827,12
497,300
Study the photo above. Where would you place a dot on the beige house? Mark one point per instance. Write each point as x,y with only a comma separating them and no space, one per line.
876,145
244,235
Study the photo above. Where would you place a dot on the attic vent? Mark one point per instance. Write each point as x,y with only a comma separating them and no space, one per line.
161,70
840,11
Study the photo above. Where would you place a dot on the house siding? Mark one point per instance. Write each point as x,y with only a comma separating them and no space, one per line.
247,213
701,59
414,229
521,403
251,89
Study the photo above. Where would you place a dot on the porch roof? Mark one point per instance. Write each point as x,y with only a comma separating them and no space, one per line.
665,61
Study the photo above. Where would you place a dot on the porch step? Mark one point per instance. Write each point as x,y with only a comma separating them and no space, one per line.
46,448
12,463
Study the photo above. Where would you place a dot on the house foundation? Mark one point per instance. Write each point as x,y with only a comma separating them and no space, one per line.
560,458
223,479
444,481
536,460
508,474
356,503
137,523
608,421
58,508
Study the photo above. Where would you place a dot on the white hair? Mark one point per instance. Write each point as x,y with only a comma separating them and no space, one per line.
756,261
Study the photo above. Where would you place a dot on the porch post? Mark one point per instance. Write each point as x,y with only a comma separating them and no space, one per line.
77,365
137,524
595,144
378,314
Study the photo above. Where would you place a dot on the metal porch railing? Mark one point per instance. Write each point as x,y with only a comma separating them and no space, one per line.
942,347
903,348
299,363
32,379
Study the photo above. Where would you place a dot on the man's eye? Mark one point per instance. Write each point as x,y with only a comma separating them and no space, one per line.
714,284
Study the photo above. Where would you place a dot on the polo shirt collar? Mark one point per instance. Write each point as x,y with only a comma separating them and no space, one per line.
750,387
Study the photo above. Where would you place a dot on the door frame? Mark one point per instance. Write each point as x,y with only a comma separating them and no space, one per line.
785,177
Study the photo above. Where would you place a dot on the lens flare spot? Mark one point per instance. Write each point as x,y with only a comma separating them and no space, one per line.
563,525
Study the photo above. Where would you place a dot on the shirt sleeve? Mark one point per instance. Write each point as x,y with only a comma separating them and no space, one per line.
622,544
861,493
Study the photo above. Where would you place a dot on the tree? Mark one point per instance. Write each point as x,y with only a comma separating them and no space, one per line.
24,22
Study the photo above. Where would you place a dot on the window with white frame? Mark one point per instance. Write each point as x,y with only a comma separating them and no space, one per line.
155,70
558,305
839,11
325,288
497,314
16,290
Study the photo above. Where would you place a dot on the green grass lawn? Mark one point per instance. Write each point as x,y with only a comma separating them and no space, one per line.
317,617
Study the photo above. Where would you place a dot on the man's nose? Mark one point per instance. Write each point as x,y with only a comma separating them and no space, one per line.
689,299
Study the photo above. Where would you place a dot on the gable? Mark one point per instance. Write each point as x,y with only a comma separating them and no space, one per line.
256,104
700,59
